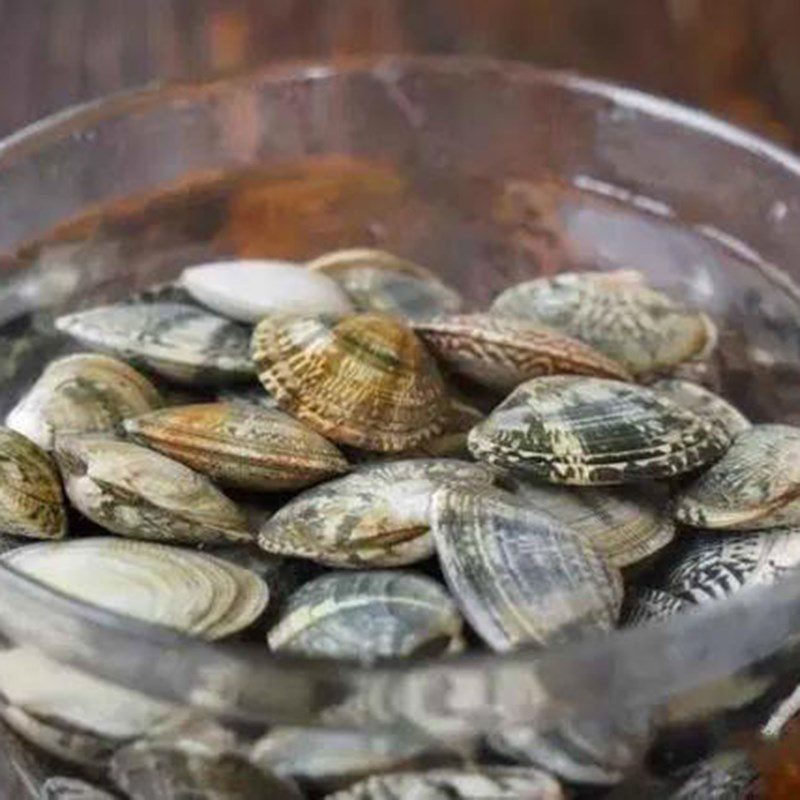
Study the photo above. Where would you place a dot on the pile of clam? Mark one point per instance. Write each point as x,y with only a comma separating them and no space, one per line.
491,480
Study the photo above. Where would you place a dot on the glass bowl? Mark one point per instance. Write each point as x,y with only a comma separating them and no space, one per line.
488,172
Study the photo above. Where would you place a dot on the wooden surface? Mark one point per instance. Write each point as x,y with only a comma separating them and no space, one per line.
740,58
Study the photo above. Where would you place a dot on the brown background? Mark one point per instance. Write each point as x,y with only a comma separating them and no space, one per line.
740,58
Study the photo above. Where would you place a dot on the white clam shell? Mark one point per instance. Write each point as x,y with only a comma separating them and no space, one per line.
249,290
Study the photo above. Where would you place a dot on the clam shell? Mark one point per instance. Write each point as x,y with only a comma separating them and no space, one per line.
584,431
366,381
520,576
728,775
181,342
31,503
580,751
712,567
61,788
625,524
132,491
501,353
190,591
647,604
84,393
249,290
467,783
376,517
149,771
618,314
379,281
367,616
247,447
705,404
756,484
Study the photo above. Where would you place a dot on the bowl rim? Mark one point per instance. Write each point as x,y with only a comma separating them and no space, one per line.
604,674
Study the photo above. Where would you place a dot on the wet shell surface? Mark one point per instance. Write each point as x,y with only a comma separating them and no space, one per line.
60,788
728,775
712,567
518,575
618,314
249,290
367,616
379,516
705,404
150,771
625,523
477,783
135,492
84,393
181,342
182,589
501,353
756,484
365,381
584,431
239,445
31,502
379,281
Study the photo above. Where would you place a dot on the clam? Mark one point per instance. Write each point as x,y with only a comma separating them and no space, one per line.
248,290
501,353
625,524
190,591
582,751
178,341
245,446
366,380
727,775
31,503
367,616
618,314
155,771
84,393
63,788
756,484
465,783
647,604
376,517
132,491
584,431
379,281
712,567
705,404
520,576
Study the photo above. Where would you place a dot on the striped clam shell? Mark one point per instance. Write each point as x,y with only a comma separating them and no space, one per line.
367,616
500,353
584,431
581,751
178,341
379,281
645,604
135,492
240,445
712,567
365,381
157,771
63,788
727,775
705,404
517,575
84,393
625,523
31,502
618,314
467,783
379,516
756,484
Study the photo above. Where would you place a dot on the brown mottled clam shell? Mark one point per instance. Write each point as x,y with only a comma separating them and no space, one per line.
756,484
502,352
240,445
520,576
379,281
31,502
585,431
365,381
617,313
